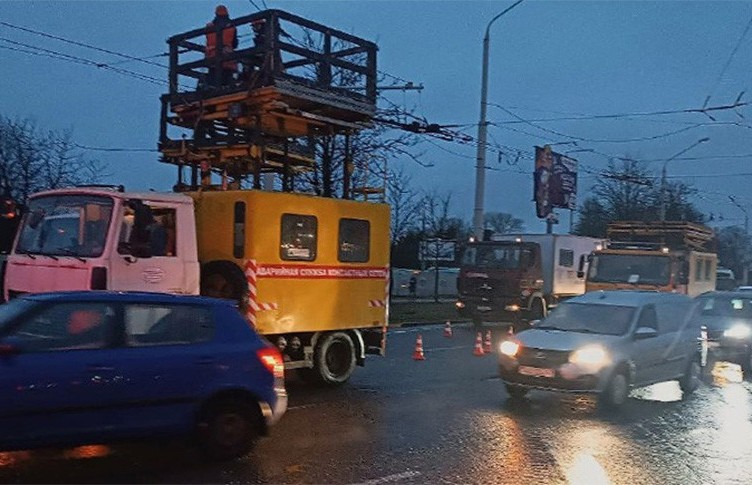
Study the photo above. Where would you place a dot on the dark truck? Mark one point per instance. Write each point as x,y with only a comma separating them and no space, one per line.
522,276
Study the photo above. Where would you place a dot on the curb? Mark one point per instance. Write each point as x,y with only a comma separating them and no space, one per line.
418,324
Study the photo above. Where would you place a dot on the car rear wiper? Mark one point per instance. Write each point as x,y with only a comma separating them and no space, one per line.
72,253
547,327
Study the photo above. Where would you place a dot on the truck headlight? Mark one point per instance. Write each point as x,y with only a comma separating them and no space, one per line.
591,357
738,331
509,348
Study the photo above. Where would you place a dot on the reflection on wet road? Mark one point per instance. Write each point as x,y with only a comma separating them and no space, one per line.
447,420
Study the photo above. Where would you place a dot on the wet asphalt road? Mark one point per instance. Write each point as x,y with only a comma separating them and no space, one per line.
446,420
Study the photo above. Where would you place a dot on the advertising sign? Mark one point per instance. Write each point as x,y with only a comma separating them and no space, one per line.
555,183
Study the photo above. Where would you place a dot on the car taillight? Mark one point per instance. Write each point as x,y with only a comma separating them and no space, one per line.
272,360
98,278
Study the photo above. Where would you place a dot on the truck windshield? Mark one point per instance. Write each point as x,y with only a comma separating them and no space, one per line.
589,318
630,268
65,225
492,257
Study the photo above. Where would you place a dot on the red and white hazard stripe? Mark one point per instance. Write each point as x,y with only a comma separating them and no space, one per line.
254,306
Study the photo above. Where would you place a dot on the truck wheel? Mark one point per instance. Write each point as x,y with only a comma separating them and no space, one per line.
223,279
690,381
617,391
228,428
335,358
516,392
537,310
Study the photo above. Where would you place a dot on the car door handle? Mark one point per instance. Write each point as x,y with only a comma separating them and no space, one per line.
101,368
205,361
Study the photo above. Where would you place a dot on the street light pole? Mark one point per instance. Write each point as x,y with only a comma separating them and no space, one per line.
663,176
480,166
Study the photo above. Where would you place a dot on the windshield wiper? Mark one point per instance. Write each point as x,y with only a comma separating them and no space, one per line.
27,253
582,330
72,253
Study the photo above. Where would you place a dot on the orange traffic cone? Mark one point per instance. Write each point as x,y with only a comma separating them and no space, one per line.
487,343
418,352
448,329
478,350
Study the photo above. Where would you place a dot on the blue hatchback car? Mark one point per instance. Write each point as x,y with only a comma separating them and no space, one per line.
95,367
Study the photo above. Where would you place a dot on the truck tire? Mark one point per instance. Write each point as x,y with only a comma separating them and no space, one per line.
537,310
516,393
334,359
224,279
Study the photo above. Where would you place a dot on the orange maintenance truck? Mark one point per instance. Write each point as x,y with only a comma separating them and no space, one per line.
665,256
311,272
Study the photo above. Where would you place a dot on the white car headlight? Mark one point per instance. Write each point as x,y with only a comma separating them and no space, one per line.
509,348
591,357
738,331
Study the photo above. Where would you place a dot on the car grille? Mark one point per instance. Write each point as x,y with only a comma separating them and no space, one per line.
542,357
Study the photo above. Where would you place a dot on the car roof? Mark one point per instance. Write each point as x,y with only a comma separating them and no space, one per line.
633,298
124,297
730,294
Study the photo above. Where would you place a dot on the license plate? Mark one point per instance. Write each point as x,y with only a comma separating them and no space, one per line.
536,371
484,308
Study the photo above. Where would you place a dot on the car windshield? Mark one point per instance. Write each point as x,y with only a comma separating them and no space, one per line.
725,306
589,318
629,268
65,225
494,256
11,310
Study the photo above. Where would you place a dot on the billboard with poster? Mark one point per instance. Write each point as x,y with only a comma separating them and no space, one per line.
555,183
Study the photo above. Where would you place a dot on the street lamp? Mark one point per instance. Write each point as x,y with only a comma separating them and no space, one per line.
663,175
480,166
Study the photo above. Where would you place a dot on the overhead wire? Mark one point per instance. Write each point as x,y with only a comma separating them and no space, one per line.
81,44
728,62
84,61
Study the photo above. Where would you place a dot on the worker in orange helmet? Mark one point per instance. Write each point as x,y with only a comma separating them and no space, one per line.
229,41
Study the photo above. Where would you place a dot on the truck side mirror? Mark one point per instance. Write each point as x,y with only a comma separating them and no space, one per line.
581,267
682,277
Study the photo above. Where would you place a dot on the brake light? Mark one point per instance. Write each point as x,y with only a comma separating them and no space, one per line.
272,360
98,278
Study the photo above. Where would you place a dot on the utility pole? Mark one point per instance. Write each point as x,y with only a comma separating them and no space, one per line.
480,166
662,213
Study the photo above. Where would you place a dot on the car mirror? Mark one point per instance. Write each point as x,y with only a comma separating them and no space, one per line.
580,274
645,332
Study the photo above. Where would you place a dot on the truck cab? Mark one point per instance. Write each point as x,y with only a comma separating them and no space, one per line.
521,276
660,256
83,238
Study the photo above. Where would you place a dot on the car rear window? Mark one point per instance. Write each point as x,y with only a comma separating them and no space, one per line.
157,324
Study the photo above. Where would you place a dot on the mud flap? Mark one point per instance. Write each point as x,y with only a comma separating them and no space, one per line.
374,340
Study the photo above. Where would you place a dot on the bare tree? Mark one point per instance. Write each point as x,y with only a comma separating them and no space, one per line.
404,201
32,160
366,154
503,223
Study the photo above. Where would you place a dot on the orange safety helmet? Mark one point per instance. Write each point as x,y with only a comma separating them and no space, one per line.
221,11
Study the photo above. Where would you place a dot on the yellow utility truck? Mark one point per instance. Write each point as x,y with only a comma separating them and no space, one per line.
665,256
311,273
